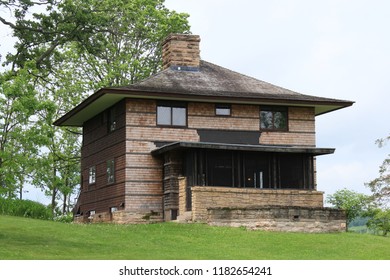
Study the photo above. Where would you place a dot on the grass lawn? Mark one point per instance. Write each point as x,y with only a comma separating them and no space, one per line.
29,239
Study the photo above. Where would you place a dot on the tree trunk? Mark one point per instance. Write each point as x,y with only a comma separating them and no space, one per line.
54,192
64,205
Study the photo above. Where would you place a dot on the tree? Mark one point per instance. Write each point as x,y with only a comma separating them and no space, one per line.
379,221
18,105
352,202
68,49
129,47
380,186
118,39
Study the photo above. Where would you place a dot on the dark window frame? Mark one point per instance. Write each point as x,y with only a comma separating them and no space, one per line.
92,175
172,106
223,107
273,110
111,119
110,171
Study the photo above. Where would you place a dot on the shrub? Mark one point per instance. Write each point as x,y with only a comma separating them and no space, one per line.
24,208
380,221
66,218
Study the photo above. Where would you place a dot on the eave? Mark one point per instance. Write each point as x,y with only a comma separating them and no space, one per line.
106,97
239,147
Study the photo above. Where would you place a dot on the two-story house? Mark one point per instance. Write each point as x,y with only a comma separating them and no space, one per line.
195,138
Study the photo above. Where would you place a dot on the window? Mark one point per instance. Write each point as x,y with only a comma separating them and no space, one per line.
273,118
172,115
110,171
111,119
222,110
92,175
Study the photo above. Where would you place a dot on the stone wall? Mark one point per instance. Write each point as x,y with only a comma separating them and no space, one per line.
120,217
209,197
280,218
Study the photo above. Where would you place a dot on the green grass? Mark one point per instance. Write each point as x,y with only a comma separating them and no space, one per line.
24,208
23,238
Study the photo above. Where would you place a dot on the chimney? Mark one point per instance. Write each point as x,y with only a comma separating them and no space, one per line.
181,50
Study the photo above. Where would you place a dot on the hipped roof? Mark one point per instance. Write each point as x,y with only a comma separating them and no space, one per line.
207,83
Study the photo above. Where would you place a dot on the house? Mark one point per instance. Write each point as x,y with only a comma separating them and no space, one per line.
202,143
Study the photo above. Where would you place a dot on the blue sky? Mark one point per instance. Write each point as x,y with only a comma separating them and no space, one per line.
335,48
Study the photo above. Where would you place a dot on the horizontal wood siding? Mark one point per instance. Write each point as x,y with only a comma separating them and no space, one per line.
301,130
99,146
243,117
139,177
145,181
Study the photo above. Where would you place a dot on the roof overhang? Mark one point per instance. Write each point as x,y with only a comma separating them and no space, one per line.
106,97
239,147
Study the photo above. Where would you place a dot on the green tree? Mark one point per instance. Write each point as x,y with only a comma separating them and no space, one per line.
76,47
56,165
129,47
380,186
352,202
18,105
118,39
379,221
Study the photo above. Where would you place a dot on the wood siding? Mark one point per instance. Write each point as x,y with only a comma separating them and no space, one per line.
143,184
99,146
301,129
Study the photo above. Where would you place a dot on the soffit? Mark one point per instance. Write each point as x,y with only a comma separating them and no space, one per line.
239,147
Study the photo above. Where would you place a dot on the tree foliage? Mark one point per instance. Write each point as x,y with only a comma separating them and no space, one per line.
64,50
18,140
118,41
129,48
379,221
352,202
380,186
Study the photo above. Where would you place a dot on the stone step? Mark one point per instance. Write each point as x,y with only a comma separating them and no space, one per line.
185,217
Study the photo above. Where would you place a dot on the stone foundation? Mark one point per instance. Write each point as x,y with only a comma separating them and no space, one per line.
211,197
280,218
120,217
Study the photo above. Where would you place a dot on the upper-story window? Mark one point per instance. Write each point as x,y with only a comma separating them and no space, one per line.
172,114
111,119
273,118
223,110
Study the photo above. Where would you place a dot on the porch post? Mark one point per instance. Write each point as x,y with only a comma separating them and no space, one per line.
172,171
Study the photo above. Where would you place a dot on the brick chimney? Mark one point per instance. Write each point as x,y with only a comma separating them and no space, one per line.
181,50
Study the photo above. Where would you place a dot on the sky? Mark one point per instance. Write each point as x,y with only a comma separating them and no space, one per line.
335,48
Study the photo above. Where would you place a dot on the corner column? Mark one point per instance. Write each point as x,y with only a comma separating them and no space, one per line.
172,171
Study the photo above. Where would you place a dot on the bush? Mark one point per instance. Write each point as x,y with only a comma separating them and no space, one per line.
380,221
66,218
24,208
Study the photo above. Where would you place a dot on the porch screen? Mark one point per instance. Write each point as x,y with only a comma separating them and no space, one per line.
250,170
220,169
291,172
